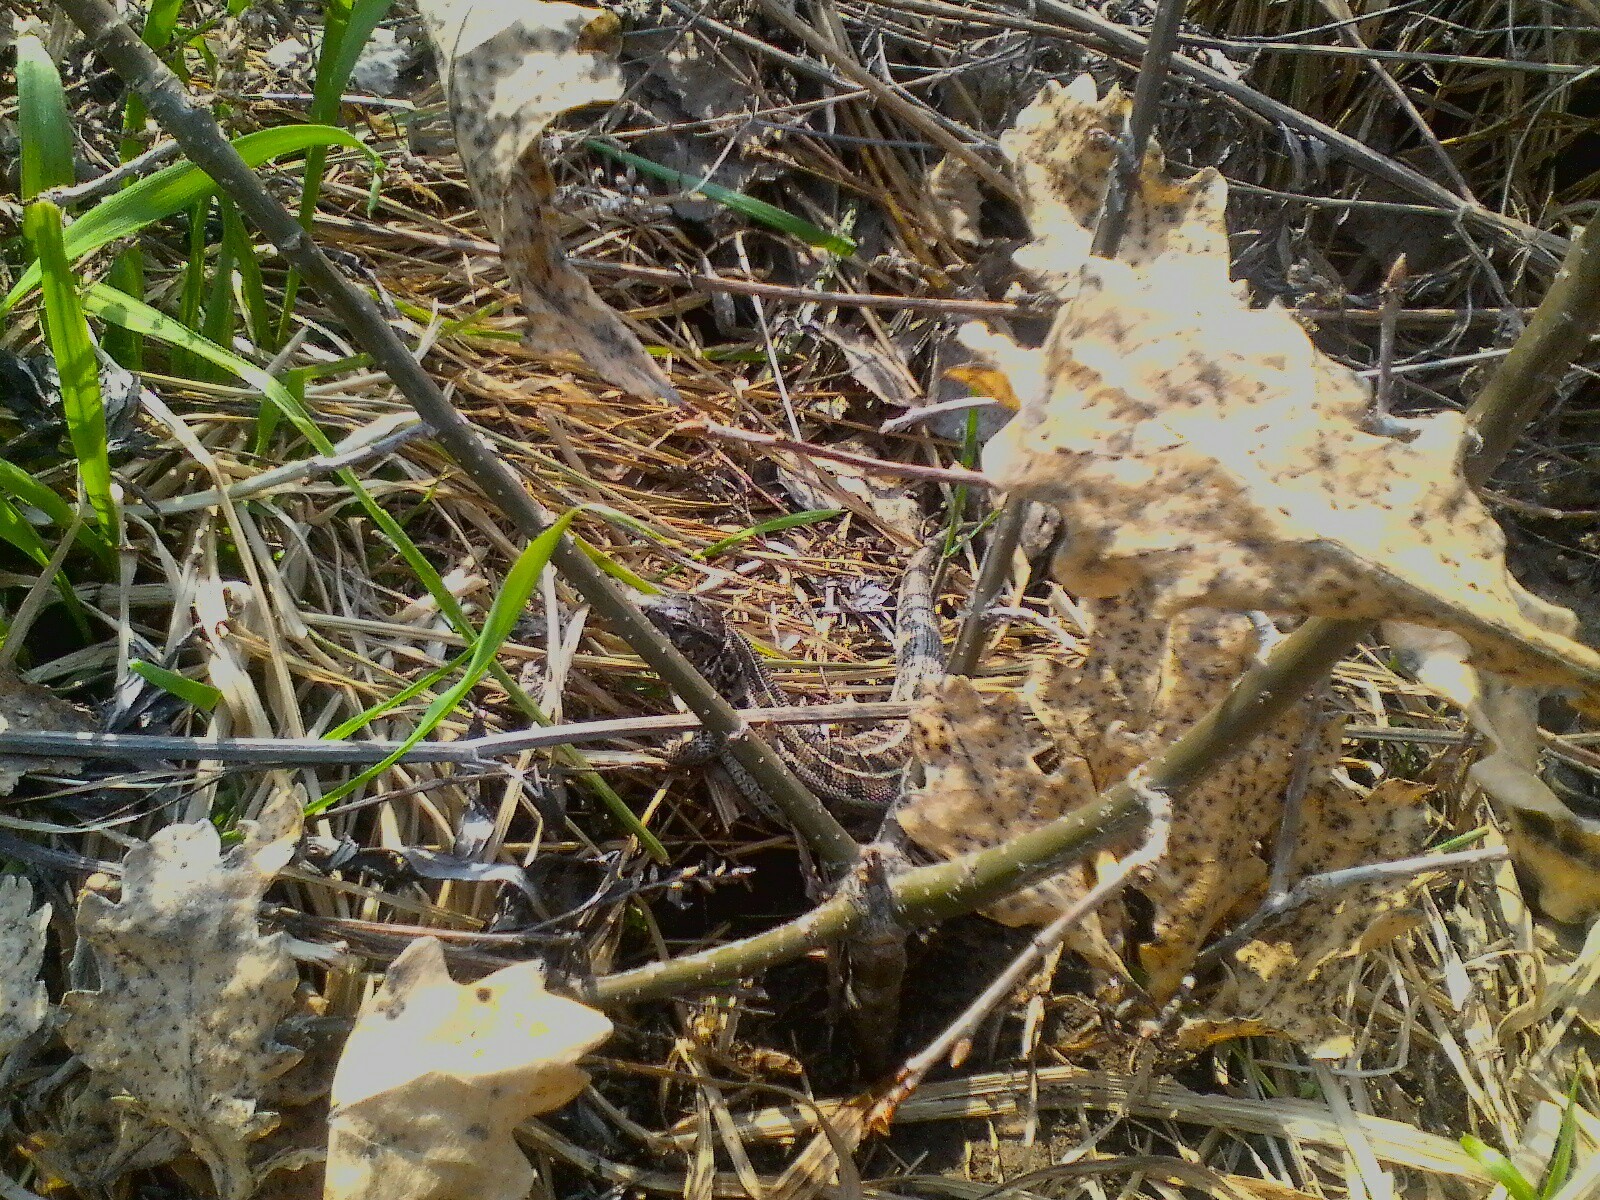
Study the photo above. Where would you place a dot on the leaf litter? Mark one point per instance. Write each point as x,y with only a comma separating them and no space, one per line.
691,494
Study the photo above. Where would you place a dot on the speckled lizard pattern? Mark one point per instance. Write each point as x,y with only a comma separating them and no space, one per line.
855,774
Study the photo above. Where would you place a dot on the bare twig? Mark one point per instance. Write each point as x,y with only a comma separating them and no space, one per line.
320,752
1557,334
1007,533
915,115
1314,887
104,185
195,130
878,466
1158,807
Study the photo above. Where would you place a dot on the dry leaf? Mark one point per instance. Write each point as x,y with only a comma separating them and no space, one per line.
1555,847
1208,454
90,1138
190,990
981,786
437,1075
1143,684
23,1002
1291,979
1060,149
1208,462
508,71
27,707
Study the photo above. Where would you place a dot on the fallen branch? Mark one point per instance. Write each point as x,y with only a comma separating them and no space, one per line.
203,142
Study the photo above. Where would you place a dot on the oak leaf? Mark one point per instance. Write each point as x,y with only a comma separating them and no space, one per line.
508,71
1290,979
190,991
437,1075
23,1003
1207,454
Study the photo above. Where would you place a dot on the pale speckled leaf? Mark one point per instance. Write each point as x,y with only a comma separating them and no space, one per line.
1292,979
23,1002
509,70
1207,453
190,990
1207,461
437,1075
1143,683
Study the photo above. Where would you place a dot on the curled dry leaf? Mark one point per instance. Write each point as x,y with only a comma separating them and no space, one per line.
437,1075
26,707
1558,850
23,1002
509,70
1208,454
190,990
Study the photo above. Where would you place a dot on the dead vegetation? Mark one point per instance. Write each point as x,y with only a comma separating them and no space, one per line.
1451,134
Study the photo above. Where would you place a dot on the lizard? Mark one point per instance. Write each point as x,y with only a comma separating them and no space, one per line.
855,775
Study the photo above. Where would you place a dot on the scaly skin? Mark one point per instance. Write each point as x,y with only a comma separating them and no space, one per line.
856,774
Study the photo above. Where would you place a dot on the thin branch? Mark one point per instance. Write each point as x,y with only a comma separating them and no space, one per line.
919,117
1007,535
878,466
319,752
1557,334
1158,809
1314,887
203,142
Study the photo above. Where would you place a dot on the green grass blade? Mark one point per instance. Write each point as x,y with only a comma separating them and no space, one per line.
1499,1167
110,305
252,290
334,74
508,606
1561,1158
417,686
775,525
345,30
137,317
216,322
19,485
160,22
15,530
172,189
756,210
68,334
612,567
45,124
191,691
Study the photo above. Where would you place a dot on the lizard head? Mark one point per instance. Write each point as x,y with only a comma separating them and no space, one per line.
698,632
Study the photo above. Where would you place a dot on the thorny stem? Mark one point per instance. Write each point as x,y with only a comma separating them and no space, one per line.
1120,185
203,142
